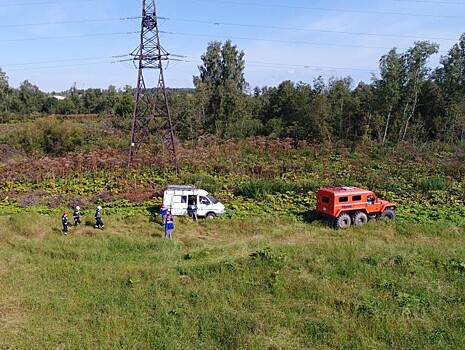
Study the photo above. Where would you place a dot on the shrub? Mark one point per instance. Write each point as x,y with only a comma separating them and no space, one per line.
204,181
435,183
50,136
257,189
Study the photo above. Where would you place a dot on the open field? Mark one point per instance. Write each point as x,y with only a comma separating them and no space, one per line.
236,283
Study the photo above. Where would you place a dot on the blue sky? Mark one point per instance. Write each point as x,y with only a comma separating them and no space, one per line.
55,44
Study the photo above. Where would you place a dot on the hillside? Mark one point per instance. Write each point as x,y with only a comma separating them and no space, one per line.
266,276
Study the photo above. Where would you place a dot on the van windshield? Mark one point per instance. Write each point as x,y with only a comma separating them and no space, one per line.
212,199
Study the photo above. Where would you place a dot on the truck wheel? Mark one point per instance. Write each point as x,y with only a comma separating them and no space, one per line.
210,215
388,214
360,218
343,221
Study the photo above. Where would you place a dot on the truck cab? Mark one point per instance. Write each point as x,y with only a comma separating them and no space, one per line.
178,199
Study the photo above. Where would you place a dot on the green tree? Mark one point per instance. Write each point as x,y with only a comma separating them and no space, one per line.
5,92
451,80
389,88
295,111
220,88
340,104
31,98
417,72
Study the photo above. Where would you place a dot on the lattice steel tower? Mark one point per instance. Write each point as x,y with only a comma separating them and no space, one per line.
151,110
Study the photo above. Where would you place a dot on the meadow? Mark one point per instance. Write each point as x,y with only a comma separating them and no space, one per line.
269,282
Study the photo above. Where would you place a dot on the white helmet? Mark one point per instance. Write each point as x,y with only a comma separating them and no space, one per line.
99,208
78,207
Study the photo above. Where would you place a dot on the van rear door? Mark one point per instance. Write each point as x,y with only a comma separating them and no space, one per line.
177,204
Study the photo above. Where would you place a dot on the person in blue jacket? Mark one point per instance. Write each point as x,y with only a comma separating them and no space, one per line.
193,211
169,226
163,213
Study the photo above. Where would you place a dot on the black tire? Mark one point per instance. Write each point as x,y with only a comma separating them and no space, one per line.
388,214
210,215
360,218
343,221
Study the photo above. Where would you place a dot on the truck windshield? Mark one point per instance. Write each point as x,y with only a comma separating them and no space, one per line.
212,199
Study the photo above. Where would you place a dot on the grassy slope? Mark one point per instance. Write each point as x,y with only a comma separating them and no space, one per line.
256,283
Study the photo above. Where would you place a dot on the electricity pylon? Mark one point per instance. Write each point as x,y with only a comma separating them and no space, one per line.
151,110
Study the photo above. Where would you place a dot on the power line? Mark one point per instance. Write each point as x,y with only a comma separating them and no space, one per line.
191,59
68,22
179,59
300,29
43,3
434,2
63,60
332,10
68,36
277,40
60,66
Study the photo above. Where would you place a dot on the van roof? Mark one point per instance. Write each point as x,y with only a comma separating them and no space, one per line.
181,187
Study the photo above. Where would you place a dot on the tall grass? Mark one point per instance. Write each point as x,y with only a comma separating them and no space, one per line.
261,283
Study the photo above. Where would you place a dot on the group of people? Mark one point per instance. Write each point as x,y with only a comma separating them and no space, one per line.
167,219
77,219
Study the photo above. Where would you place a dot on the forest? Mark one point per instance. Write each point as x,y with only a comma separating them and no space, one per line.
408,100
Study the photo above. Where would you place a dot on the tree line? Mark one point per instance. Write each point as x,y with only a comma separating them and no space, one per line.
406,101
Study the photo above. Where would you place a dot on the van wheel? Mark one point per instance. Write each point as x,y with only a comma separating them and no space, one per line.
210,215
343,221
360,218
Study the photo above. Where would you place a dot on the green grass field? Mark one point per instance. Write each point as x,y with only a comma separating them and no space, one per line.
233,283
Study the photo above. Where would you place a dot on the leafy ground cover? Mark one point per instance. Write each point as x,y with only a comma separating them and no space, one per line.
256,177
235,283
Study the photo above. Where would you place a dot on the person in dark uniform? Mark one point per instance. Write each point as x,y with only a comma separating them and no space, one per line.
77,216
98,218
65,222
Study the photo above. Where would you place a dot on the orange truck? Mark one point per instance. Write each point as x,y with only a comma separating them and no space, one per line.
347,205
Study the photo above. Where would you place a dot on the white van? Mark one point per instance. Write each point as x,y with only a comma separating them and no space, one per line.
178,198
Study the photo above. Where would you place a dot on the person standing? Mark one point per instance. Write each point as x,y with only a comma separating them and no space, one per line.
193,210
163,212
169,226
98,218
65,222
77,216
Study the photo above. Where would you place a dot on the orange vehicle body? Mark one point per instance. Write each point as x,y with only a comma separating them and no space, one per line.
333,202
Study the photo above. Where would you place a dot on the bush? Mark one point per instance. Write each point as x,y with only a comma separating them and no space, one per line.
203,181
260,188
50,136
435,183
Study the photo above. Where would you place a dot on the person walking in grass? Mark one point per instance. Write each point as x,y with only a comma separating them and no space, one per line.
169,226
65,222
77,215
98,218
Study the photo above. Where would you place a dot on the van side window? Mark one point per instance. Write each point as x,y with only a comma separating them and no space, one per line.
357,198
343,199
179,199
325,199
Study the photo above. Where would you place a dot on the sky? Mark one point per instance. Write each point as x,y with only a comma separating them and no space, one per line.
87,43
